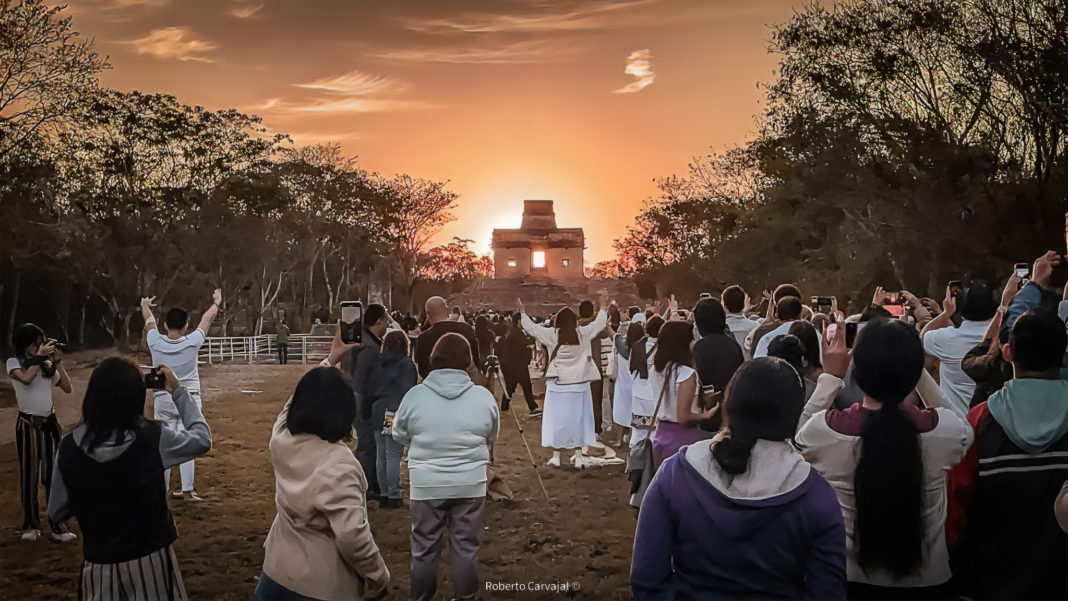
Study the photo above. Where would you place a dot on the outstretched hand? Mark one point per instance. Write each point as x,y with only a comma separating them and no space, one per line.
216,297
148,302
1042,270
338,348
520,307
1011,288
836,356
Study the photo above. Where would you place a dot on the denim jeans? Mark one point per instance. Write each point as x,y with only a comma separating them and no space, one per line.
387,465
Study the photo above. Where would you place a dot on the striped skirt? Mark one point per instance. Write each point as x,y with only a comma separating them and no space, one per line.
154,576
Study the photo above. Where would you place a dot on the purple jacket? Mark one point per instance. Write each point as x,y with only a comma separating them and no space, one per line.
693,541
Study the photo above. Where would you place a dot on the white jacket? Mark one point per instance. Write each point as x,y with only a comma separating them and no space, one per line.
573,364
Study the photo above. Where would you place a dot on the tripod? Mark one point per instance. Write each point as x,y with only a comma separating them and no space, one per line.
493,374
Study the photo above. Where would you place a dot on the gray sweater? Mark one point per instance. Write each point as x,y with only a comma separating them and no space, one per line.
175,447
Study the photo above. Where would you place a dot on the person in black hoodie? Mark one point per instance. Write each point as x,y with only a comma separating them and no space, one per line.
514,353
109,475
392,376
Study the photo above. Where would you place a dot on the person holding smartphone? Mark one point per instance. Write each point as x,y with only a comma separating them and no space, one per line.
108,471
35,370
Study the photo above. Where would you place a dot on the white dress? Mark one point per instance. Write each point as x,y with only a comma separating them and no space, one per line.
622,396
643,401
567,421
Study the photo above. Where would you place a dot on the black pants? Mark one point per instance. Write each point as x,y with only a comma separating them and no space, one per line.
36,442
283,353
522,378
367,453
597,390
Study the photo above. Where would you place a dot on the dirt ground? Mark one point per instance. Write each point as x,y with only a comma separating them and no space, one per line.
583,539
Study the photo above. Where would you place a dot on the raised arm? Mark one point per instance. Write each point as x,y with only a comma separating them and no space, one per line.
836,359
542,334
147,304
178,446
949,307
213,310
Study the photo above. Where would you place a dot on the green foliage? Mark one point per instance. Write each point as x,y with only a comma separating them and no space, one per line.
905,143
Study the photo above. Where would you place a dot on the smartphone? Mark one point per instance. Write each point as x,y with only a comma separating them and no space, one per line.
852,329
821,304
894,298
955,287
154,379
1023,270
351,321
897,310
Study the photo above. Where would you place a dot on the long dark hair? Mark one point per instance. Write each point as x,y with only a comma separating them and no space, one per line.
639,355
888,482
763,400
566,327
635,332
673,345
810,342
114,402
23,337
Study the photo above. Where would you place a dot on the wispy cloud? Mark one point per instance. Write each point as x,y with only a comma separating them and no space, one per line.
534,51
340,105
639,65
356,83
174,43
353,92
591,15
246,10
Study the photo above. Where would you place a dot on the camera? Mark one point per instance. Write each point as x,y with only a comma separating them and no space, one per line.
492,362
154,379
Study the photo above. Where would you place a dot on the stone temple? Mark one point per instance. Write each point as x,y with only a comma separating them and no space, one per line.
539,249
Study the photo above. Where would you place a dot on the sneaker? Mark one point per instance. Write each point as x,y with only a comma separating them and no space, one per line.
64,537
553,461
535,412
191,495
31,535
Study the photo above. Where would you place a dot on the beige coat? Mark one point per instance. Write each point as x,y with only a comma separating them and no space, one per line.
320,544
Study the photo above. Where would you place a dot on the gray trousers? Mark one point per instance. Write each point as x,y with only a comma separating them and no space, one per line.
461,519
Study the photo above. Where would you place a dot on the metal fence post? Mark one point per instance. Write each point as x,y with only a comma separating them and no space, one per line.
304,350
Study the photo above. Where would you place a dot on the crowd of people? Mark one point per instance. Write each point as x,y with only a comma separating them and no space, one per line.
913,450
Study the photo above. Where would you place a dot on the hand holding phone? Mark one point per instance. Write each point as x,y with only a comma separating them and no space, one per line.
350,327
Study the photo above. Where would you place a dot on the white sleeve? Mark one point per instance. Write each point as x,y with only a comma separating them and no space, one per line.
932,342
827,387
12,365
152,337
591,330
197,338
542,334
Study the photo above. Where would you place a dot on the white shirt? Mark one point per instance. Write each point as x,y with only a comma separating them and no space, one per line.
669,404
642,400
34,398
949,345
765,340
740,326
180,355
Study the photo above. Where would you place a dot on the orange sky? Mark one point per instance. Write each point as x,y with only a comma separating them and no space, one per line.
583,102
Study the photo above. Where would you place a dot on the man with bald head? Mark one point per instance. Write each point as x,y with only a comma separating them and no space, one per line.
437,315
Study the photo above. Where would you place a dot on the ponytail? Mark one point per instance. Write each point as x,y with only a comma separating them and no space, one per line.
732,453
888,485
